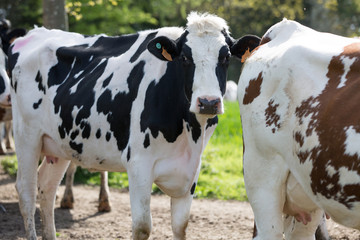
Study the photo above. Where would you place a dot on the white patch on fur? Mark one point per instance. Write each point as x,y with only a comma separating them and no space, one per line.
348,176
330,170
347,64
352,142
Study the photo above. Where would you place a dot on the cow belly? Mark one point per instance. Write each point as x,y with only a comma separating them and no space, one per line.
95,161
297,203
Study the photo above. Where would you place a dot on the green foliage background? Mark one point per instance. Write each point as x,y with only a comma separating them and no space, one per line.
114,17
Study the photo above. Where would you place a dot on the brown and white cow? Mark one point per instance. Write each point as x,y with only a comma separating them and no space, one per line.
299,95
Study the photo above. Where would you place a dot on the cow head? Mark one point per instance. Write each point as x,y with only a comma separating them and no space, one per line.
202,55
4,81
6,38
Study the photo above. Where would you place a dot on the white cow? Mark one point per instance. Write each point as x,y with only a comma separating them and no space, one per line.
231,91
299,95
145,103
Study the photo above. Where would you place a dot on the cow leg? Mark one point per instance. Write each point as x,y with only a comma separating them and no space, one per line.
295,230
104,203
9,141
265,187
2,137
180,213
28,157
50,175
67,202
322,232
140,183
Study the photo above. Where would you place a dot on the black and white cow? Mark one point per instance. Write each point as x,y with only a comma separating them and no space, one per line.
5,101
7,36
144,103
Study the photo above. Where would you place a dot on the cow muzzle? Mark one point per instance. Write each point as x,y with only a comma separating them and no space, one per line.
5,101
209,105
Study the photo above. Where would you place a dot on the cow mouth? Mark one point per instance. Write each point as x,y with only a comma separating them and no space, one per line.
6,102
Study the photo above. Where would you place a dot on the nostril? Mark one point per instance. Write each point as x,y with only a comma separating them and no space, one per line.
207,106
9,99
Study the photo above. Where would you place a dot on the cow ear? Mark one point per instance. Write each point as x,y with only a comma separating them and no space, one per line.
243,46
18,32
163,48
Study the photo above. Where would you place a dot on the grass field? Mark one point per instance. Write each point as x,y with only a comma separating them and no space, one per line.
221,174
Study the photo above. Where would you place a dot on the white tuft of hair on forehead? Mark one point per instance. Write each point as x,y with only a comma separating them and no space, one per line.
205,23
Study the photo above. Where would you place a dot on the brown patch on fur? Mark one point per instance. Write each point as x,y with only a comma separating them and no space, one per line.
253,90
271,117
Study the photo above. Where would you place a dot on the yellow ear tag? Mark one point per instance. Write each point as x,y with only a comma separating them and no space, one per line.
245,55
166,55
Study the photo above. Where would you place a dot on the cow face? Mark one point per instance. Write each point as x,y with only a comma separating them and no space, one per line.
6,38
202,63
4,81
202,55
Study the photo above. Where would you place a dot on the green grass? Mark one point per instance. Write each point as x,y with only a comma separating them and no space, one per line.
221,173
9,164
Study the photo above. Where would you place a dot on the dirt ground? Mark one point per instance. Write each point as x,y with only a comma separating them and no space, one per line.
210,219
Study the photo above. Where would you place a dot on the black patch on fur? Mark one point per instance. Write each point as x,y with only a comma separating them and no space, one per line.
12,60
147,140
39,80
98,133
192,190
2,84
212,121
221,67
107,80
74,134
128,154
142,47
108,136
77,147
86,129
37,104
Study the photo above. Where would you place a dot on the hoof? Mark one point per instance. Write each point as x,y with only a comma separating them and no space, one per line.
67,203
104,206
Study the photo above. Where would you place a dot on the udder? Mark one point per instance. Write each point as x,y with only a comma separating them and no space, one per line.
297,203
52,150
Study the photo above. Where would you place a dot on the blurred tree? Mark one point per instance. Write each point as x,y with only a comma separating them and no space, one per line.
107,16
337,16
54,14
22,13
